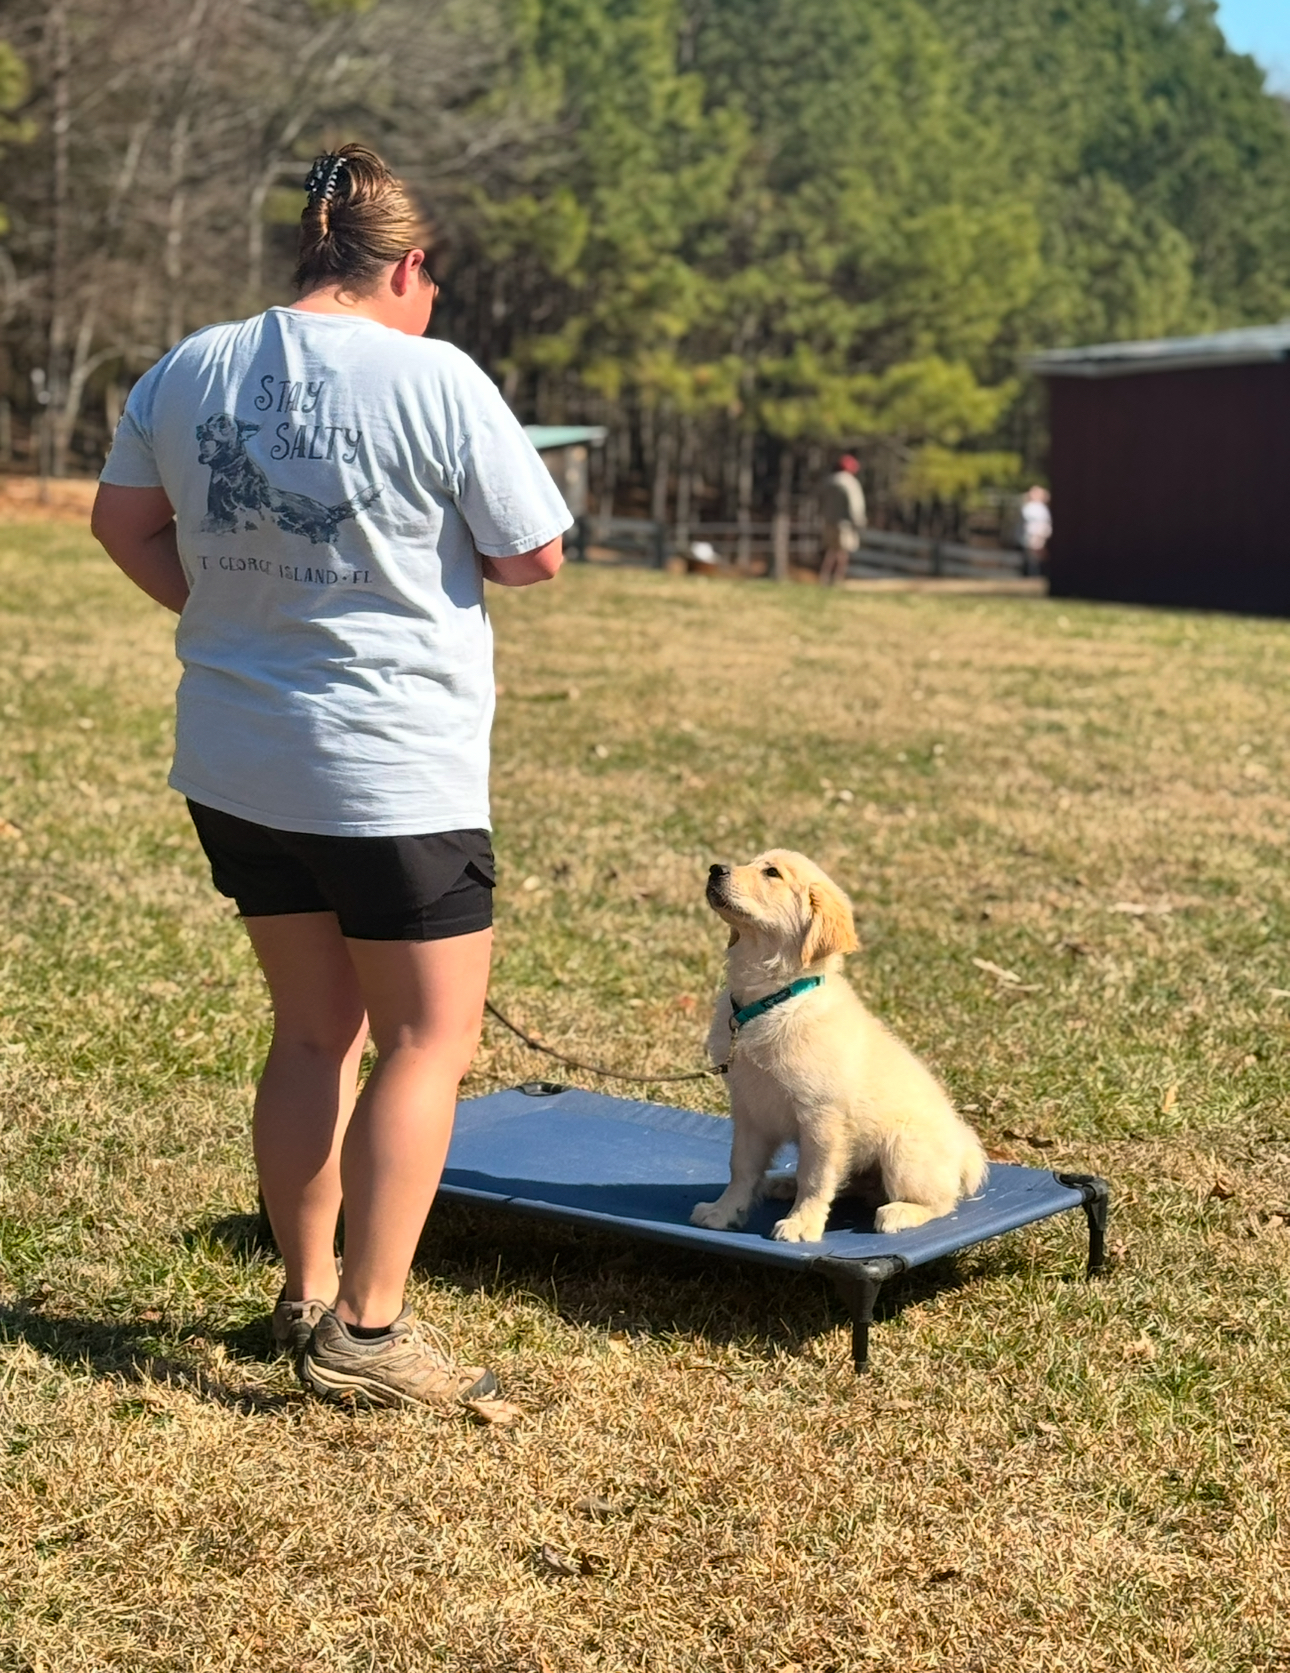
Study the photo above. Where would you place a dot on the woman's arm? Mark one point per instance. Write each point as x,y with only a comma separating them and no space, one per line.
136,528
526,567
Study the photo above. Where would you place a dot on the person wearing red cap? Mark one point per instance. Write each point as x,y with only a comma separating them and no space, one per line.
843,509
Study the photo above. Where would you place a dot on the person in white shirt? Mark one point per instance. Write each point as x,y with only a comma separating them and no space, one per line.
1036,528
320,492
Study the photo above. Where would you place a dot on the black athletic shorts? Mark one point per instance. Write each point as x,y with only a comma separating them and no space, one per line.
398,888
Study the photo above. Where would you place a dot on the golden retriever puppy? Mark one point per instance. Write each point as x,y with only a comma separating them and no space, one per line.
809,1064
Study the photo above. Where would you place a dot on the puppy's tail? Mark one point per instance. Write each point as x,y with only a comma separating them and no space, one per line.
974,1169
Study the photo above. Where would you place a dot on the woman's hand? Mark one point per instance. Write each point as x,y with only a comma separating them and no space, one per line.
136,528
526,567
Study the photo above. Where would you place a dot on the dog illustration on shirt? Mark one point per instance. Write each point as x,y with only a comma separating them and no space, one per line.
240,493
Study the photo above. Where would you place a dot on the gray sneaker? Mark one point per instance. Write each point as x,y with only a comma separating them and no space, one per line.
293,1323
405,1367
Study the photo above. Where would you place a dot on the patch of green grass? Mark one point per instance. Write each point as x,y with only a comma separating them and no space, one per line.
1038,1474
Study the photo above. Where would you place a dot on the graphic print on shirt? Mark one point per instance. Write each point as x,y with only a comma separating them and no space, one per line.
240,493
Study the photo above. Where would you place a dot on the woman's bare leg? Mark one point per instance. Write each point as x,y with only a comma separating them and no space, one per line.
306,1093
425,1002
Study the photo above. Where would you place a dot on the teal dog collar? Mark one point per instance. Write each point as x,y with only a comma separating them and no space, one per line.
758,1008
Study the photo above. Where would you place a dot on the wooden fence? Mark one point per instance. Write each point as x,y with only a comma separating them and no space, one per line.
774,549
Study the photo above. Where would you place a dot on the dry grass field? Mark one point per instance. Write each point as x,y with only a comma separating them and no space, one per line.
1038,1474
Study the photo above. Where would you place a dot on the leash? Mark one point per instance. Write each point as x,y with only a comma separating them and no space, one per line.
594,1068
740,1015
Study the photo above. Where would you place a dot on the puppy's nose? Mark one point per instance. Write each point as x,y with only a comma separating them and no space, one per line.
718,871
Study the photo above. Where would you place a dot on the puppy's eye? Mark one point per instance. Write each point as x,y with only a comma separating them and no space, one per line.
769,871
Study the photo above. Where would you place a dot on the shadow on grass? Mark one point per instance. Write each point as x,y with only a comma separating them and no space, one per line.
247,1237
595,1280
126,1352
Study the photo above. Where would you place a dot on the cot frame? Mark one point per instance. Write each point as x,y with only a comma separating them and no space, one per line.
857,1280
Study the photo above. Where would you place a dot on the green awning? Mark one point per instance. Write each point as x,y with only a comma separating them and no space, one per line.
547,436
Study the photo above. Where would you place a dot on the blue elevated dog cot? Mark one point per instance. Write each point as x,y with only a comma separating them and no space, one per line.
637,1169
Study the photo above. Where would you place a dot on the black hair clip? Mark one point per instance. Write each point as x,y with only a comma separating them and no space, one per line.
322,177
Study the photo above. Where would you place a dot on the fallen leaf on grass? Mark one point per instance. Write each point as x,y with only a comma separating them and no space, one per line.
9,830
575,1564
1032,1139
593,1505
495,1412
1009,978
685,1002
1169,1100
1221,1191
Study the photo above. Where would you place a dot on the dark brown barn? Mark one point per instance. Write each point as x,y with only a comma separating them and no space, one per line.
1171,471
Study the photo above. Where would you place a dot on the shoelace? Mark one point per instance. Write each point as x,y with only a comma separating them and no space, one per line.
426,1335
419,1334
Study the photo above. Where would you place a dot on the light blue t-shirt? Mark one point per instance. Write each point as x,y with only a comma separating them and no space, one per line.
334,483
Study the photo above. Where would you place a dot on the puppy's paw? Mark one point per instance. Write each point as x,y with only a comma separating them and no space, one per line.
904,1216
800,1228
715,1217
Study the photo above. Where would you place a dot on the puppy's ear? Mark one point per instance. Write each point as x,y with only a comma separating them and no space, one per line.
245,428
734,936
832,928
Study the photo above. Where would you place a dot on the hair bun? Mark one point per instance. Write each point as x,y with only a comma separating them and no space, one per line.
379,223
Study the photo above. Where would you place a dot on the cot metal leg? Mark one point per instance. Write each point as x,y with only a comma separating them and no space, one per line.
1097,1206
858,1283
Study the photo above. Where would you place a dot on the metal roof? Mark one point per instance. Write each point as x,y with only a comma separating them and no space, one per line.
1246,347
545,436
